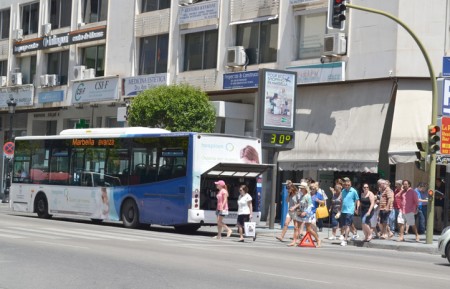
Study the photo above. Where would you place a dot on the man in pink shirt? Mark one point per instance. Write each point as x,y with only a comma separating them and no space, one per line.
409,202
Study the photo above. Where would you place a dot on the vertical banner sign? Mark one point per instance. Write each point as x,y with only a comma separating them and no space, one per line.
445,136
277,97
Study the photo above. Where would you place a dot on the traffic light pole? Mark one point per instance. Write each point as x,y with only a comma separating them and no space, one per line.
432,167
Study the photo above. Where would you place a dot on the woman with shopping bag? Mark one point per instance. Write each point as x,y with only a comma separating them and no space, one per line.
245,211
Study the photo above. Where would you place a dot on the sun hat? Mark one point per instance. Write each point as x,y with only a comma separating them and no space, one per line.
303,185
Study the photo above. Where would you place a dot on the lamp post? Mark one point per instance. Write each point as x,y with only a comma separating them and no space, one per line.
11,102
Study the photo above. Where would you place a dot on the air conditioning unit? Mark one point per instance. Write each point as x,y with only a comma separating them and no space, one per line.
89,73
16,78
52,80
44,80
186,2
236,56
18,34
334,44
3,81
78,72
46,29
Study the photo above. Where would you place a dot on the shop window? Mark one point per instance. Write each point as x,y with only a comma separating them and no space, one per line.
72,123
30,18
60,13
112,122
311,30
200,50
260,41
5,16
58,63
153,54
94,10
3,68
94,57
153,5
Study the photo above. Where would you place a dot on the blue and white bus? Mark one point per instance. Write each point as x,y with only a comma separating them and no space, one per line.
135,175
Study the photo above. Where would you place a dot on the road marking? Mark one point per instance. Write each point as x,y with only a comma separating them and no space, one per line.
11,236
62,245
17,229
46,230
283,276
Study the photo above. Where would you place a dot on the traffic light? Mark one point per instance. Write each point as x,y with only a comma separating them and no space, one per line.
421,155
336,14
434,139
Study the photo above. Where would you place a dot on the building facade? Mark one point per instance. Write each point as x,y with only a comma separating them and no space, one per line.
361,103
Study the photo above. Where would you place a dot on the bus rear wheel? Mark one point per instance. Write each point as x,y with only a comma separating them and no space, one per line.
130,214
41,206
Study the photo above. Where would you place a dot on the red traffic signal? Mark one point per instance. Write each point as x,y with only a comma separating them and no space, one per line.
433,139
336,14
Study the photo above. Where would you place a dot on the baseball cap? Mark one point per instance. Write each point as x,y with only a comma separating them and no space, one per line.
220,183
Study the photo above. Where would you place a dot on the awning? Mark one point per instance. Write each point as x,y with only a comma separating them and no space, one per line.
238,170
411,116
338,127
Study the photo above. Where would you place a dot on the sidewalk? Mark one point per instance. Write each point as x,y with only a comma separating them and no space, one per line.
410,244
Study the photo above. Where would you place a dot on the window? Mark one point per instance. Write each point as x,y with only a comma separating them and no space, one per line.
58,63
94,57
311,29
153,54
95,10
5,16
153,5
30,18
60,13
200,51
28,68
260,41
3,68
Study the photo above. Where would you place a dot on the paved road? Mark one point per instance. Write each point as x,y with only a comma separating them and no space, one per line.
63,253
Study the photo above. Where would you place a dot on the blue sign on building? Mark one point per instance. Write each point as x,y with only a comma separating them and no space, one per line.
51,96
242,79
446,66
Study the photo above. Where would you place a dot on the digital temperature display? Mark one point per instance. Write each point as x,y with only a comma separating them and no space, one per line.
278,139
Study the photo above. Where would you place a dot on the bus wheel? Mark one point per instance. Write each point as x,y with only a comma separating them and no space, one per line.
130,214
187,229
41,206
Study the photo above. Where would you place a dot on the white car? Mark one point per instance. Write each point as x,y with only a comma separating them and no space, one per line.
444,243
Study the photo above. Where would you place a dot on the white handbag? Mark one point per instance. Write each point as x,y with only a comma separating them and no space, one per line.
250,229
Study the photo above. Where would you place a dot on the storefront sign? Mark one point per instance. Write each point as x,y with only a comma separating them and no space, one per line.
445,135
319,73
95,90
23,95
243,79
133,85
277,97
58,40
445,101
197,12
51,96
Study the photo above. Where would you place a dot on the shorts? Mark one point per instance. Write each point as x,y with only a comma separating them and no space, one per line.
220,213
384,217
374,219
334,221
291,215
242,219
346,220
366,219
406,218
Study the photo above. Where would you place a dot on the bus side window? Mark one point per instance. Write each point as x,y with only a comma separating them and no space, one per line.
164,173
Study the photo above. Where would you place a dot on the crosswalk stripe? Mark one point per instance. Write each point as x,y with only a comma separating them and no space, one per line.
25,232
65,233
11,236
102,235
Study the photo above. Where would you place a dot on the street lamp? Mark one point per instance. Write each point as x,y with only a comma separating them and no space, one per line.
11,102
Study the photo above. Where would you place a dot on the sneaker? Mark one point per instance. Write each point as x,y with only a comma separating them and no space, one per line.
344,243
341,237
354,237
332,238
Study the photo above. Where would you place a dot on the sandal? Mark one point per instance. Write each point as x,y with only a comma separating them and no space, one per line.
279,239
229,233
292,244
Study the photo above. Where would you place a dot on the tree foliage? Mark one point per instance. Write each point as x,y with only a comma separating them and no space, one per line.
175,108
